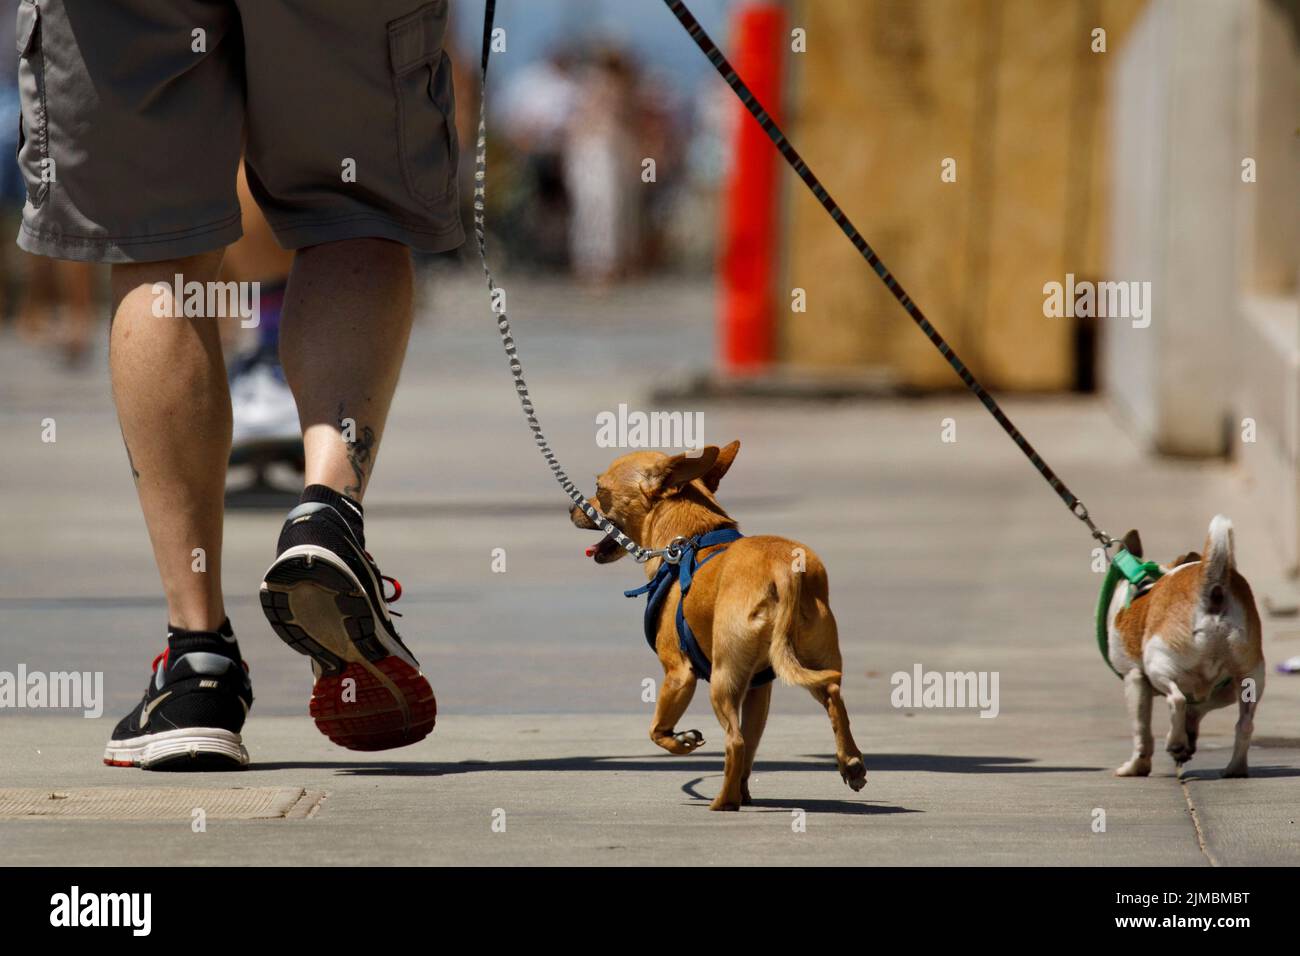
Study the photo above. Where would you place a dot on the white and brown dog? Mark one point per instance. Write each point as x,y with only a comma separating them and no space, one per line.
1194,638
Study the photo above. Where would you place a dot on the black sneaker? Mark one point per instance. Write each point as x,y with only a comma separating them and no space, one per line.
192,710
324,597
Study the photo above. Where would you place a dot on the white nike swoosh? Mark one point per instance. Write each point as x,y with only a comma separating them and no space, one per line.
149,708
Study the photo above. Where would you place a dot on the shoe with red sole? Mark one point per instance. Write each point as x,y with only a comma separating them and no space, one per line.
324,597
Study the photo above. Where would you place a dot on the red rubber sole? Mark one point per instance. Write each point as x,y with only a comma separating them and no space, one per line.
374,713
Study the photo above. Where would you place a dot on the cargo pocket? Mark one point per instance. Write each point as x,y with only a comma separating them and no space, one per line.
33,136
426,108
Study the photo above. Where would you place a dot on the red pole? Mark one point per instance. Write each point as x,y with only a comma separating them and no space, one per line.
748,253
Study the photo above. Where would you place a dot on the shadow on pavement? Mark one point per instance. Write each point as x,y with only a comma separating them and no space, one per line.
952,763
546,765
859,807
932,763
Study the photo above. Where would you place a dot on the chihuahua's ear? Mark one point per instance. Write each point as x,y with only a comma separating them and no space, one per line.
726,456
1133,544
1191,557
677,470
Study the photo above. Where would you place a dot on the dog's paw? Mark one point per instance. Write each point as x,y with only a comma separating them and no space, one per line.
721,804
681,742
854,772
1235,770
1137,767
1181,752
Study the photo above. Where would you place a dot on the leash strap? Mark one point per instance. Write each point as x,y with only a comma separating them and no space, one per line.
503,321
720,63
656,591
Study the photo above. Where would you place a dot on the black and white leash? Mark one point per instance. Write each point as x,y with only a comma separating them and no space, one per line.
507,338
792,157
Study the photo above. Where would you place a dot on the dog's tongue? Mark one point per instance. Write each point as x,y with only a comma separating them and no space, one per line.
600,546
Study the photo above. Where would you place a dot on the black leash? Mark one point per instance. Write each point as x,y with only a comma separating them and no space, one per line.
792,157
710,50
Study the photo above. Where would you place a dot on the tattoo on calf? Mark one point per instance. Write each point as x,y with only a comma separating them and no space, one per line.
135,475
360,450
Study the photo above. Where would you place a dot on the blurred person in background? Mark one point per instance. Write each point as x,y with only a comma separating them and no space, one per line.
537,107
601,171
661,123
40,287
57,306
12,190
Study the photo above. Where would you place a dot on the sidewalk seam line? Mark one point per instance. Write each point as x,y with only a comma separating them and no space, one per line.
1196,823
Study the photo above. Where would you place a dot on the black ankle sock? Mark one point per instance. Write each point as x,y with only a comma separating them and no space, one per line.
181,640
349,508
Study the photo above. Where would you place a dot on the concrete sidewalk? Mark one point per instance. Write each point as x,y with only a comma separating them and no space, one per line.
954,556
591,789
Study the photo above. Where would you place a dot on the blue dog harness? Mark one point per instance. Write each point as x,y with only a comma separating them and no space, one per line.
656,591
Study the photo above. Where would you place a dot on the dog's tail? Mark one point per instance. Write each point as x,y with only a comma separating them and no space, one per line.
1217,566
785,661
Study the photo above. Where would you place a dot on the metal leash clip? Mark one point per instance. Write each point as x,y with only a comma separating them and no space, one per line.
1080,511
672,554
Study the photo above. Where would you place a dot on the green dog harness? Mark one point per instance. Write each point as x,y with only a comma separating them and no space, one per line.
1139,576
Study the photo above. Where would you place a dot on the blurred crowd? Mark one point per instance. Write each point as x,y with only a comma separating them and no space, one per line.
603,168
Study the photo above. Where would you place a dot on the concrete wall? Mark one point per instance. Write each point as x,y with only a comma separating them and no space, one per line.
1199,87
1174,171
1268,396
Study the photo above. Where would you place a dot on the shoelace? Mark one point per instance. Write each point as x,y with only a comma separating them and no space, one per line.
397,585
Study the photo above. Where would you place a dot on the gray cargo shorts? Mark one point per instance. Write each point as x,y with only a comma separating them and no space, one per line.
135,113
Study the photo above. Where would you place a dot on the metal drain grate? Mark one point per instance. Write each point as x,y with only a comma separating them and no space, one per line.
160,803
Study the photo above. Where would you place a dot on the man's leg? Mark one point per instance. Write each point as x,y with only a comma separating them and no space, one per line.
169,384
343,335
352,191
89,75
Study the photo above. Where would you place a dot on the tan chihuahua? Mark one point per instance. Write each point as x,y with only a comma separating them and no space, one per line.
1193,638
762,601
